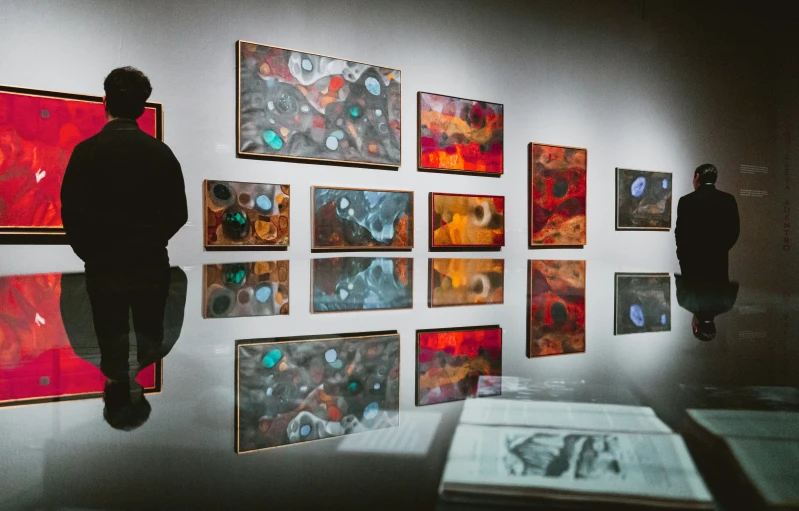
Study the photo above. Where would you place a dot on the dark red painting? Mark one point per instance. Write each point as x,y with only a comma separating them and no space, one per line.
37,361
38,131
450,362
557,195
556,308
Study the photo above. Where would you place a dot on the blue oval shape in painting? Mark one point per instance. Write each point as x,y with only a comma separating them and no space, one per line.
637,315
638,186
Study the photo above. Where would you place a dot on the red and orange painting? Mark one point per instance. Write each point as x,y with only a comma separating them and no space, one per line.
450,362
467,220
37,361
557,195
556,308
38,131
460,135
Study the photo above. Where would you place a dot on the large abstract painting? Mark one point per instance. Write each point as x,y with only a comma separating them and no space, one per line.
38,131
557,195
253,215
305,106
343,284
246,289
40,361
556,308
460,135
643,200
460,221
350,219
466,282
450,362
299,389
643,303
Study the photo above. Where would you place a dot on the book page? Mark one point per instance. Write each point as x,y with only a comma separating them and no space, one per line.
504,412
573,464
745,423
772,466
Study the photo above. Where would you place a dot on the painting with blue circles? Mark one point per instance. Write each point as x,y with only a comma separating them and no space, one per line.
304,106
643,303
643,200
298,389
237,290
341,284
246,215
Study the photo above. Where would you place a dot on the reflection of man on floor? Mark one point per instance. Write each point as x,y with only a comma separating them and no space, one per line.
706,299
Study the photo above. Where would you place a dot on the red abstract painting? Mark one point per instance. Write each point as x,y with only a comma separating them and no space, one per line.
450,362
38,131
37,361
557,195
556,308
460,135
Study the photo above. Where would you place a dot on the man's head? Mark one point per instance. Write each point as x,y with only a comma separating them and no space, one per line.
705,174
126,92
125,405
704,330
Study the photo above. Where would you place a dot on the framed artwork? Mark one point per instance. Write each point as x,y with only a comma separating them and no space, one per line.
246,215
237,290
460,135
643,200
557,195
304,106
643,303
454,282
466,221
46,356
555,308
450,362
354,219
299,389
38,131
342,284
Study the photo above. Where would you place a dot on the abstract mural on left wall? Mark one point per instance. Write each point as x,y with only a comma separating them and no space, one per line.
298,389
349,219
305,106
38,131
253,215
555,308
450,362
342,284
246,289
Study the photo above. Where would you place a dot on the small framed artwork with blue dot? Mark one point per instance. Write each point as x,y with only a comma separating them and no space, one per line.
643,303
292,390
246,215
302,106
237,290
643,200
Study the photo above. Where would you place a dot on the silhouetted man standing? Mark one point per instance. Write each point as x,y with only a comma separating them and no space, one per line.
707,228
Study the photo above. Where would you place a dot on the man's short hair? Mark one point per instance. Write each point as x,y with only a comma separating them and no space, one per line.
705,331
707,173
126,92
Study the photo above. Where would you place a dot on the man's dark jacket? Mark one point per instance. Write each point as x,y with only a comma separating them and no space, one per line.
707,228
123,197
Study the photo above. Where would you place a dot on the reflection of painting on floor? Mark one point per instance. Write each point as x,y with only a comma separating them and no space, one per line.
643,200
345,218
38,131
467,220
556,308
558,195
246,289
361,283
246,214
302,105
38,363
460,135
643,303
466,282
450,362
299,389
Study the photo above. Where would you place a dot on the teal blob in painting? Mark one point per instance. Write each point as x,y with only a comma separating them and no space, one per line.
371,410
272,358
273,139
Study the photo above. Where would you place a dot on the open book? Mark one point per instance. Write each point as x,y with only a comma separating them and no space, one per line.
575,455
751,456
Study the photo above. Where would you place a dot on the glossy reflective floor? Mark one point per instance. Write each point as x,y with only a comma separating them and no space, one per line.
58,452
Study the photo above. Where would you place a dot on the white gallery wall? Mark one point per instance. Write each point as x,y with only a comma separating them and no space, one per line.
641,85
